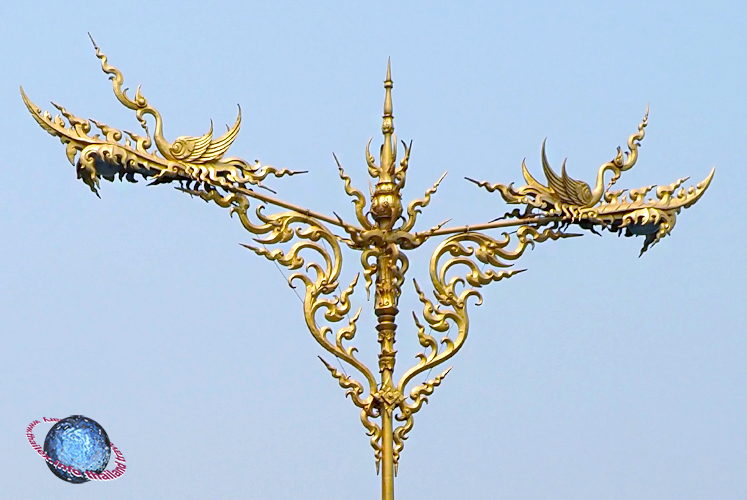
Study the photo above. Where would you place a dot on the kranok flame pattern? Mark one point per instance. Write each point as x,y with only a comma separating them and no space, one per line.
628,212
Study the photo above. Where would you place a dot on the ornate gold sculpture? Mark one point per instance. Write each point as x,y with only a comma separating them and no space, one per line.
382,233
577,203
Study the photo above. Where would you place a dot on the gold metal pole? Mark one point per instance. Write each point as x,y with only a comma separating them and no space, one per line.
386,209
387,457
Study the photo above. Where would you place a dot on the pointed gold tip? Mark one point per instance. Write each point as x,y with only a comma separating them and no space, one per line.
33,108
26,100
325,363
707,181
388,153
388,86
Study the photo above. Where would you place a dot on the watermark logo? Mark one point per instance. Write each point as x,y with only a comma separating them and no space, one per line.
77,450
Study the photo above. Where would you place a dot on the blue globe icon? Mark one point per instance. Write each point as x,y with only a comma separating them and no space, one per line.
80,443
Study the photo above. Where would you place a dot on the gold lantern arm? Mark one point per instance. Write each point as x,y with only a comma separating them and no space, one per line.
517,220
569,201
196,161
625,212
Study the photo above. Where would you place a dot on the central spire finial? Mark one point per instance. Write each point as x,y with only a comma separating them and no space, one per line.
387,127
388,84
386,205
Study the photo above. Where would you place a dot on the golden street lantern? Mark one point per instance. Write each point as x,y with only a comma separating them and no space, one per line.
383,232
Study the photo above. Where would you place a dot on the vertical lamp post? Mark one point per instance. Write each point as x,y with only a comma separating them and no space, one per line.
383,233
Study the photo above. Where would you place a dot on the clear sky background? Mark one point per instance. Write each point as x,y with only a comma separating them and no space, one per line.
594,375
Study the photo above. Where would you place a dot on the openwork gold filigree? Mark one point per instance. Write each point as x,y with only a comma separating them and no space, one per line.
302,241
199,159
576,202
320,280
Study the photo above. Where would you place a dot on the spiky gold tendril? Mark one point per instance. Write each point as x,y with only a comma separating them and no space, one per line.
358,199
418,396
575,202
413,209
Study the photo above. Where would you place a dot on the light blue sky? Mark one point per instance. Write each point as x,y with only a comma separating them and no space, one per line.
594,375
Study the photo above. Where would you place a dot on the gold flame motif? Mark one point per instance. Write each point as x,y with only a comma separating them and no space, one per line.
575,202
187,159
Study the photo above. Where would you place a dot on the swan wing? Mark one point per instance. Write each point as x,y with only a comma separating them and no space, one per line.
554,181
188,149
217,148
578,192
